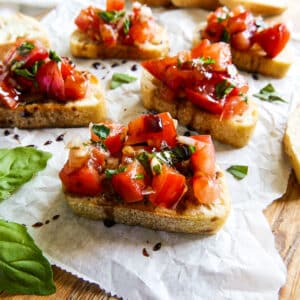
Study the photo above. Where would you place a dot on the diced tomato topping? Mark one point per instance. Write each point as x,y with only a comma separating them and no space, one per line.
115,139
234,106
169,186
273,39
75,86
88,20
84,181
9,96
112,5
205,189
130,183
156,130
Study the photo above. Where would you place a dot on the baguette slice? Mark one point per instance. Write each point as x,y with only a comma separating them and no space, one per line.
255,60
50,113
19,26
235,131
292,142
82,46
190,218
260,7
206,4
155,2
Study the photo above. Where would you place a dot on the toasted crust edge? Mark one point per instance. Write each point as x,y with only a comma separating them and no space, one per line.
55,114
82,46
233,131
255,61
206,4
201,219
290,141
155,2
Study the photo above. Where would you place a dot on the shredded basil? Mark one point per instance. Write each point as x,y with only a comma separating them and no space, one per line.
157,169
223,88
54,56
268,93
225,37
126,25
206,60
101,131
25,48
238,171
111,16
110,172
139,176
120,78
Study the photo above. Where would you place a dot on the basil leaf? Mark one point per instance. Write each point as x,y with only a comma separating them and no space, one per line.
223,88
54,56
23,268
268,93
206,60
101,131
120,78
110,172
19,165
111,16
126,26
25,48
24,73
238,171
139,176
225,37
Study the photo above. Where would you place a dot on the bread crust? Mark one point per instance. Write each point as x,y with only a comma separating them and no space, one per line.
82,46
50,113
19,26
193,218
291,140
259,7
155,2
255,60
235,131
206,4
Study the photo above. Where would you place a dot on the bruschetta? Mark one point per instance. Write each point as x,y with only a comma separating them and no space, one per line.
17,26
255,46
206,4
113,33
145,174
202,88
38,88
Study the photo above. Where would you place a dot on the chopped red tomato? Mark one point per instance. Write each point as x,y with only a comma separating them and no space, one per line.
9,96
75,86
273,39
112,5
235,105
84,181
156,130
108,34
169,186
205,189
115,139
140,32
130,183
203,159
66,67
88,21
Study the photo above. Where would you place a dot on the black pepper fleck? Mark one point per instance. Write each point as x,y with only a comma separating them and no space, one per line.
157,246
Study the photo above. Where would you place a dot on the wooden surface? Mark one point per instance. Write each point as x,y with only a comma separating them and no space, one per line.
283,216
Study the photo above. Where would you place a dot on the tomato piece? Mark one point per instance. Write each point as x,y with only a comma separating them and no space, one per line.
75,86
112,5
205,189
234,106
9,96
66,67
169,186
203,159
205,101
88,20
130,183
115,139
108,34
156,130
273,39
219,52
50,80
84,181
39,53
142,31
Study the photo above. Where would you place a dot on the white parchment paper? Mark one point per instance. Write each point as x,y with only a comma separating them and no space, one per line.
240,262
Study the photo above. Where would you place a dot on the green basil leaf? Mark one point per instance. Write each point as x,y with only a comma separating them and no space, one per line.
238,171
206,60
225,37
24,73
110,172
223,88
111,16
23,268
120,78
139,176
25,48
101,131
126,25
19,165
268,93
54,56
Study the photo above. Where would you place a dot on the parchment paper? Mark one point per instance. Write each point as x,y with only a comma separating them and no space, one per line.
240,262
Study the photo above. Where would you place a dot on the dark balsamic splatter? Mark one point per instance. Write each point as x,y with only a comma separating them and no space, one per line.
6,132
55,217
60,137
157,246
145,252
255,76
48,143
115,65
96,65
37,224
134,67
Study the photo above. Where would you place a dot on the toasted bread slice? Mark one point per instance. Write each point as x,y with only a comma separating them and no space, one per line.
82,46
189,218
19,26
206,4
155,2
260,7
255,60
50,113
235,131
292,142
